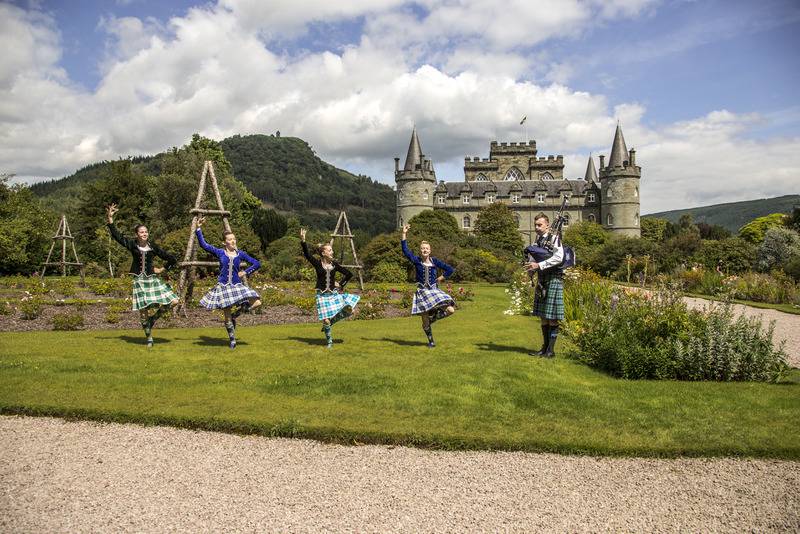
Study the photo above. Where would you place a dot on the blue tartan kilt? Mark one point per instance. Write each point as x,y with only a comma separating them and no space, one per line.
426,299
551,305
226,295
331,303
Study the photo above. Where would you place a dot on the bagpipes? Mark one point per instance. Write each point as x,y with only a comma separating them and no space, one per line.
541,253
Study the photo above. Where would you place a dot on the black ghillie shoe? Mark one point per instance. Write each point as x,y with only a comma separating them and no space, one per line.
232,344
149,342
431,345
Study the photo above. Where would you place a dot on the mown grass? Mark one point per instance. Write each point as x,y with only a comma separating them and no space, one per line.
380,384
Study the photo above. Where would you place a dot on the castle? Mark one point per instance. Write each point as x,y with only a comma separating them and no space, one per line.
528,184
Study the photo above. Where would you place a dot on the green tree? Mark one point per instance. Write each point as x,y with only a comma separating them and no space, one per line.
780,246
611,260
433,225
495,223
755,230
384,248
25,230
712,231
654,229
269,225
733,255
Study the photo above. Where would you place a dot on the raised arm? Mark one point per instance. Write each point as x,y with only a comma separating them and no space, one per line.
404,246
311,259
202,242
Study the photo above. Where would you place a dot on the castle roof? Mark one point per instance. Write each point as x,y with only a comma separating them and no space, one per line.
528,188
414,156
619,152
591,171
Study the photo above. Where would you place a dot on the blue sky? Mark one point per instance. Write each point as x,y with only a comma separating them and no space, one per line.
705,86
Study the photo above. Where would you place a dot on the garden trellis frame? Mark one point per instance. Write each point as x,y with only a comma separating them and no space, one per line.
63,234
342,230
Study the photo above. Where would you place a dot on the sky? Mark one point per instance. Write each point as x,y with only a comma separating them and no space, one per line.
704,90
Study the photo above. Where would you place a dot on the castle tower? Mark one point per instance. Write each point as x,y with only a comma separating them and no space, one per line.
416,182
619,185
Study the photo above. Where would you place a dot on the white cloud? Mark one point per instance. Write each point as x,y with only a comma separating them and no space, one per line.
210,71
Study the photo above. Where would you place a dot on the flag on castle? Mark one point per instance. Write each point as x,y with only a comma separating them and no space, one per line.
523,120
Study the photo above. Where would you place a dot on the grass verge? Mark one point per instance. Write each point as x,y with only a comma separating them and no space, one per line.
380,384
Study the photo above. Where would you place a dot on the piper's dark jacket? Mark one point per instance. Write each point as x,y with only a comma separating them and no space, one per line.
326,279
142,261
425,275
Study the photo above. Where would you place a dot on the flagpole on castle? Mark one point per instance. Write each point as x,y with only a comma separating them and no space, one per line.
524,122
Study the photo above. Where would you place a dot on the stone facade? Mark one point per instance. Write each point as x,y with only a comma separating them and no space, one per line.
515,175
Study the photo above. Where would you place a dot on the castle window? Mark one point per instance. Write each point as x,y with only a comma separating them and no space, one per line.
465,198
466,221
425,195
636,220
516,219
481,177
636,192
514,174
547,176
515,198
609,193
591,217
590,197
401,222
400,195
540,197
610,220
490,198
566,220
440,199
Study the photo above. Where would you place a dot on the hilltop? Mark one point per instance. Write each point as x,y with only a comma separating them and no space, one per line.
733,215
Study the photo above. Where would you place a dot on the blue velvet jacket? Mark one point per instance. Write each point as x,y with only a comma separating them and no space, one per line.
229,267
426,276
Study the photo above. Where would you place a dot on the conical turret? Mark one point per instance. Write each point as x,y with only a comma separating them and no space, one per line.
591,171
414,156
619,152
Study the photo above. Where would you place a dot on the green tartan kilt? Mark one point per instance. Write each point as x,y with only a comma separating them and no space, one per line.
151,291
551,305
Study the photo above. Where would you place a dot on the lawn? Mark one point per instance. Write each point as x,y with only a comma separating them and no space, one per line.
380,384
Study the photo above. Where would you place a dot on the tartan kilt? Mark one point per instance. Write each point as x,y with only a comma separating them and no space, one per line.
151,291
331,303
227,295
551,306
426,299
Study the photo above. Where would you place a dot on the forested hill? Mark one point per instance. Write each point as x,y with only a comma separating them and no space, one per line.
285,173
733,215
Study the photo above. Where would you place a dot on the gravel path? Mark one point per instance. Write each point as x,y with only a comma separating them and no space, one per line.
787,325
81,476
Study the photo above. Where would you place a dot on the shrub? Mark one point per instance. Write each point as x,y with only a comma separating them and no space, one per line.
482,265
774,288
109,286
728,349
114,312
369,310
655,336
388,272
67,321
30,308
6,308
65,287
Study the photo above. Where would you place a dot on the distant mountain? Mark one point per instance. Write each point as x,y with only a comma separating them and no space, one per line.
284,172
733,215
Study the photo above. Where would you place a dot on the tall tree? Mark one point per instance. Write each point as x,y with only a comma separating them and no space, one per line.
496,224
25,229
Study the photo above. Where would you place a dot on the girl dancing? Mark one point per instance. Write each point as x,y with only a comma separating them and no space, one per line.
229,291
430,302
149,291
332,306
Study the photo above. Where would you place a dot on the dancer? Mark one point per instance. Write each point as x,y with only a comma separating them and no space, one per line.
548,303
229,291
149,291
430,302
332,306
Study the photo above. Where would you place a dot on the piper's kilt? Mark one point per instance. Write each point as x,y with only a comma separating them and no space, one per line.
227,295
151,291
428,298
551,305
330,303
